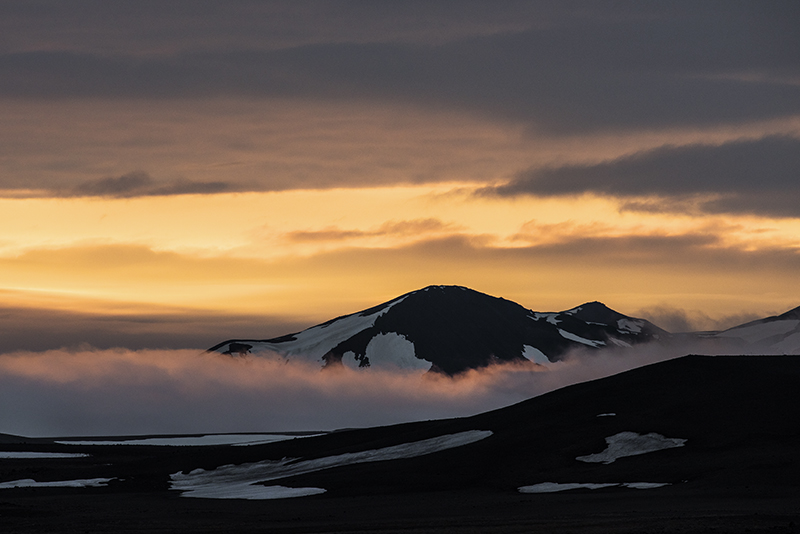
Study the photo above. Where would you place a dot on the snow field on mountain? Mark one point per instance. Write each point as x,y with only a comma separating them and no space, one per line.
535,355
315,342
225,481
630,325
789,345
579,339
389,351
759,332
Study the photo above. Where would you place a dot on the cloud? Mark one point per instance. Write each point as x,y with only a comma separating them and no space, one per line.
93,24
119,392
756,176
587,69
408,228
677,320
144,327
139,183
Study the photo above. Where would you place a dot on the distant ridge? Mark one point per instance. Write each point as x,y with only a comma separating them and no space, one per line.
778,334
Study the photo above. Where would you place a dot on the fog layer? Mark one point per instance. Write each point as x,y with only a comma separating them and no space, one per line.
123,392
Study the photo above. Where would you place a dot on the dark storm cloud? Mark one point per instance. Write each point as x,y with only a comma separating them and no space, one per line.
626,66
138,183
757,176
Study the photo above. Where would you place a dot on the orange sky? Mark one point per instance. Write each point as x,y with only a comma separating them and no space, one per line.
205,187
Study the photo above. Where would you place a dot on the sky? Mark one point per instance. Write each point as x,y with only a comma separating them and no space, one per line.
174,174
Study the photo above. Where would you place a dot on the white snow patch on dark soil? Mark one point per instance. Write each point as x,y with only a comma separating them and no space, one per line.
236,479
631,444
553,487
80,483
211,439
37,455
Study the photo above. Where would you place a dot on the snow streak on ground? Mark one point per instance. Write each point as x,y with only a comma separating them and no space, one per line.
80,483
213,439
38,455
239,481
631,444
553,487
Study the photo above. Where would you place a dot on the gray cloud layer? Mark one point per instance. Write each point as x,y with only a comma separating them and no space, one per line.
761,176
139,183
631,66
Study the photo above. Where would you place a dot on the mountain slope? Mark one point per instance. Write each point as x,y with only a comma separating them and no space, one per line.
732,466
772,335
451,329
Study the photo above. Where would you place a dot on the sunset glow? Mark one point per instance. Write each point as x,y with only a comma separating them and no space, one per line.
280,178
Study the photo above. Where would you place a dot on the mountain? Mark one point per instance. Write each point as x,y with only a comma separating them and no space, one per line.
450,329
693,444
778,334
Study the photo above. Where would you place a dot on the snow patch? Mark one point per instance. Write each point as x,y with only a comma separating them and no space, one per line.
609,414
80,483
630,325
213,439
313,343
36,455
789,345
645,485
619,342
579,339
550,317
238,478
759,332
553,487
349,360
535,355
249,491
631,444
392,351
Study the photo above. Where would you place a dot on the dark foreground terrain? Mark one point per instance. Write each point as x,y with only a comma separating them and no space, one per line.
737,471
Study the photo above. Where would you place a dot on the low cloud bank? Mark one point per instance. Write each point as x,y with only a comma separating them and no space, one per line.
123,392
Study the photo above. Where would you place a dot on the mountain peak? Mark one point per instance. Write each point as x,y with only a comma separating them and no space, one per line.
451,329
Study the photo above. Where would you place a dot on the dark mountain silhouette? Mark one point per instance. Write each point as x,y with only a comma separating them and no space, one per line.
451,329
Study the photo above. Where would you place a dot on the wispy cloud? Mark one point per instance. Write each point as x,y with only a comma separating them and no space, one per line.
417,228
